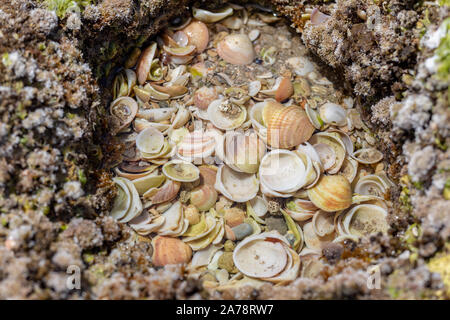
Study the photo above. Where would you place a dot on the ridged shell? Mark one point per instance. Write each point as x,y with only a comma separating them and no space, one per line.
288,127
331,193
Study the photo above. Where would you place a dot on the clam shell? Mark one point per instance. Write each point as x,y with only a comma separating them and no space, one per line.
367,155
331,193
147,228
236,49
152,180
371,184
208,174
260,256
282,171
226,120
287,127
122,201
124,109
236,186
204,197
196,146
333,140
198,35
323,223
209,16
142,124
312,240
243,152
173,216
290,272
167,192
167,250
254,87
259,205
364,220
157,115
144,63
204,96
182,171
135,208
326,154
150,141
333,113
349,169
313,117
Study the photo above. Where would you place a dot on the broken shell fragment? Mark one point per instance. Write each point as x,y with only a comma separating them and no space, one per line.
204,197
167,250
167,192
145,62
331,193
236,49
182,171
210,16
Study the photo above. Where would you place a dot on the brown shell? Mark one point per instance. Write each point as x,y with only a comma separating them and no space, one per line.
285,90
331,193
167,250
198,35
288,127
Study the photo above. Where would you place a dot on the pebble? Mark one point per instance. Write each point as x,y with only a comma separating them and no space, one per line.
243,230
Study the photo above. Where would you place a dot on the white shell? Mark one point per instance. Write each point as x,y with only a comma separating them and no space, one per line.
236,186
209,16
332,113
183,171
223,120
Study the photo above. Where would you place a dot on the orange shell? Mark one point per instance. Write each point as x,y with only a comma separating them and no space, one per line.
198,35
167,250
288,127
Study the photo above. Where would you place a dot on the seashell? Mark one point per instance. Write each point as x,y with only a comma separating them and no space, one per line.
318,17
152,180
157,115
345,140
167,250
204,197
260,206
313,117
300,211
204,96
209,16
312,240
233,216
150,141
253,34
177,135
281,90
310,151
326,154
367,155
282,171
182,117
122,201
181,38
287,127
261,256
203,257
124,109
146,224
364,220
179,23
301,65
198,35
226,116
173,216
214,236
192,214
236,49
142,124
182,171
334,114
233,22
268,18
196,146
349,169
144,62
156,72
323,223
331,193
236,186
200,230
180,51
290,272
333,140
243,152
254,87
371,184
173,91
208,174
127,204
167,192
160,157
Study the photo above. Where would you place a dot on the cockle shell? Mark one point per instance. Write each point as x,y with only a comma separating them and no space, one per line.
204,197
204,96
225,115
236,49
331,193
236,186
182,171
282,171
287,127
198,35
124,109
196,146
167,250
243,152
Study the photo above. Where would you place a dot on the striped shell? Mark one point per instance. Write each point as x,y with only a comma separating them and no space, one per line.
331,193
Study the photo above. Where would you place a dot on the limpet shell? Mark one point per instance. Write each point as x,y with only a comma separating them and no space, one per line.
182,171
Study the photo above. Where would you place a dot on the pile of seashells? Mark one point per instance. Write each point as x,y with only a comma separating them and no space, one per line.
209,165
